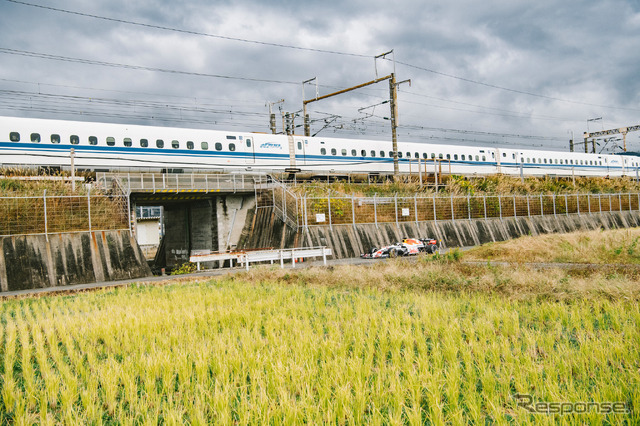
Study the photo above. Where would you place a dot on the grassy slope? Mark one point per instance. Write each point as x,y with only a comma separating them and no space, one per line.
620,246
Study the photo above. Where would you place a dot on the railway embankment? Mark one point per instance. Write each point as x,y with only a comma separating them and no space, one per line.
40,261
265,229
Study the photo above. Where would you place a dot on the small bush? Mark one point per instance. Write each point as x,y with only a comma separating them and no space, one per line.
185,268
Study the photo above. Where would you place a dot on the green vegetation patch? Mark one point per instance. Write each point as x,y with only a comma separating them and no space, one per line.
232,351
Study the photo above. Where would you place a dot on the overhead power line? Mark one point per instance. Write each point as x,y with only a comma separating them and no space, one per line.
183,31
132,67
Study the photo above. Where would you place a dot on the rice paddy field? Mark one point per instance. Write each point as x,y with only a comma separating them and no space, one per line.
432,341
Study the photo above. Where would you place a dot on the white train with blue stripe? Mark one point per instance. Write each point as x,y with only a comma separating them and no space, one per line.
27,142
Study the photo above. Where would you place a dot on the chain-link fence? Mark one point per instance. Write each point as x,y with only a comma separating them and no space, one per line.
62,214
361,210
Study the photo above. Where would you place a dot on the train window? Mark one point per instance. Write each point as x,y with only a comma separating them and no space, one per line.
248,141
381,153
299,145
477,158
591,162
571,161
353,153
493,155
344,152
55,138
601,163
190,145
504,154
522,159
231,137
390,154
399,155
323,151
333,151
408,155
159,143
556,161
175,144
232,147
440,156
433,155
112,141
513,155
204,146
127,142
484,158
218,146
455,156
14,137
35,137
545,161
144,143
424,155
373,153
463,157
93,140
74,139
448,156
363,153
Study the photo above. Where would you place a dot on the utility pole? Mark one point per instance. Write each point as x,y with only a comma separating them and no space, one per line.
622,130
393,93
272,116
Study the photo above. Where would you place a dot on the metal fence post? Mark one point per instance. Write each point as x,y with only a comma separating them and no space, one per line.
46,225
89,206
395,198
375,209
515,214
434,208
589,202
578,203
329,208
353,211
554,204
620,201
610,208
599,203
469,206
415,205
453,216
306,214
541,206
500,206
566,204
484,200
528,206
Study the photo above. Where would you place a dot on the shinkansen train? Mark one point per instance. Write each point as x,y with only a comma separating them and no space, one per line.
26,142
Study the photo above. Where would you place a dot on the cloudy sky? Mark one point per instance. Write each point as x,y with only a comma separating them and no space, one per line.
502,72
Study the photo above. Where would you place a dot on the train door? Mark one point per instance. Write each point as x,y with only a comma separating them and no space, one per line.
250,150
301,150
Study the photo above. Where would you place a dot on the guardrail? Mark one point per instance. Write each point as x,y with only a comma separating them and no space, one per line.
180,182
270,255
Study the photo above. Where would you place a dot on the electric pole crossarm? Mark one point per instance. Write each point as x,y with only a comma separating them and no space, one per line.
621,130
377,80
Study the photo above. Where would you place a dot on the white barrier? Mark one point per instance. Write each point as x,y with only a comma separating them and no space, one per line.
271,255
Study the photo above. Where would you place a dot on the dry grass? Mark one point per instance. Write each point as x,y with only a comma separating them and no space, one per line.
621,246
487,185
450,276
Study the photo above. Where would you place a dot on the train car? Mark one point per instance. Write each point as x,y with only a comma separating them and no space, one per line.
27,142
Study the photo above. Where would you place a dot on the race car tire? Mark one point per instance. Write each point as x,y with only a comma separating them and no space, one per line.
433,249
393,253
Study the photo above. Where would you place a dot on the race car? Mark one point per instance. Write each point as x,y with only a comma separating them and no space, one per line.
406,247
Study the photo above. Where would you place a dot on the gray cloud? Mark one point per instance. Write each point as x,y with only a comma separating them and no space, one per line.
561,63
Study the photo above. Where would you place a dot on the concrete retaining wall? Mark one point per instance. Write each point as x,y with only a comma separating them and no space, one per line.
348,241
32,261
